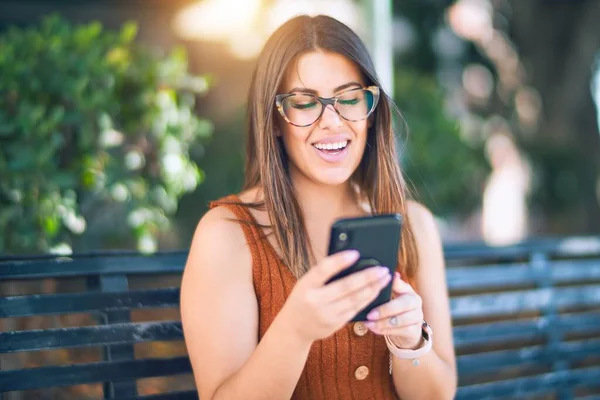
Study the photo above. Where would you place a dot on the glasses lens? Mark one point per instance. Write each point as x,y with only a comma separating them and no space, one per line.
301,109
355,104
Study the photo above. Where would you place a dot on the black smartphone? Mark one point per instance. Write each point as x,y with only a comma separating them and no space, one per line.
377,238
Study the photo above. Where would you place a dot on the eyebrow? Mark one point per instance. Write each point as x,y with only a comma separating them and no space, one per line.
337,89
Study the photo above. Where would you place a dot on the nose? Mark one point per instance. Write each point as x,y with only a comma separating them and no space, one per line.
330,118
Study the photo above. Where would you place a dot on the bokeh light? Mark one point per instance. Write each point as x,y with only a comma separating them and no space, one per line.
246,30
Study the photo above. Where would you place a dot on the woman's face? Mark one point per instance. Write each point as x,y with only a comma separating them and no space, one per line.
328,151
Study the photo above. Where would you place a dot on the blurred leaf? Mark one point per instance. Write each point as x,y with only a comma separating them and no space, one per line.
69,90
51,226
446,171
129,31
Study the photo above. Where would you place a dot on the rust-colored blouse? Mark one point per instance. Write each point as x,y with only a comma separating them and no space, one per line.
351,364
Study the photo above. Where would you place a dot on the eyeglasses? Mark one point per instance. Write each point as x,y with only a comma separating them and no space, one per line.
303,109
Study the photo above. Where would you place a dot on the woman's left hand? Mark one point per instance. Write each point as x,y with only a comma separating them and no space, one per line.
401,318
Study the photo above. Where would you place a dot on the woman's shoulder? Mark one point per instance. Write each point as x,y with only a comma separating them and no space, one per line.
218,220
428,242
422,223
418,212
218,231
219,240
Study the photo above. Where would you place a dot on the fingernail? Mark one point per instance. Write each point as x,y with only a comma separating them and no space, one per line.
382,271
370,325
373,315
351,255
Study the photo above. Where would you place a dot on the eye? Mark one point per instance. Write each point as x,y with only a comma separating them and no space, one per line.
304,106
349,102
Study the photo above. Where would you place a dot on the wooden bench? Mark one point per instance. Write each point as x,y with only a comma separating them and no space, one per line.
105,291
526,323
527,319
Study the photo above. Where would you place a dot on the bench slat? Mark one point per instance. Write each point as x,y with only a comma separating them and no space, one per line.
47,304
506,303
472,364
575,270
499,276
488,276
83,266
520,387
187,395
37,378
525,329
47,339
574,246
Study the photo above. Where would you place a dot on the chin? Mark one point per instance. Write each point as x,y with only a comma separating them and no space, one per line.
333,178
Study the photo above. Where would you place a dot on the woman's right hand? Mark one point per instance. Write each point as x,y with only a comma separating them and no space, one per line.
315,310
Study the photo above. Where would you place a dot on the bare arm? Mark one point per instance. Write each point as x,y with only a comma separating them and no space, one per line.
219,312
435,377
220,315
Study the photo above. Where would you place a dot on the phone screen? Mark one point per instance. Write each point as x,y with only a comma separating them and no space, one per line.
377,238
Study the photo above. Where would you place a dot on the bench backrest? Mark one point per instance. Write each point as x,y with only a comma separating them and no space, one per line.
111,288
526,321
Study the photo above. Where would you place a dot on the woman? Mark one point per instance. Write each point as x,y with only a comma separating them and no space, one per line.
259,320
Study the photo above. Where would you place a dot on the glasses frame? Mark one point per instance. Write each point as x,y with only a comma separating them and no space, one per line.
325,101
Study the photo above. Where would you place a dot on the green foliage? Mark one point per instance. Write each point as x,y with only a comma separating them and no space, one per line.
446,171
90,121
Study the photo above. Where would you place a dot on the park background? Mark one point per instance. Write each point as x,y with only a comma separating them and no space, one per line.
106,144
121,120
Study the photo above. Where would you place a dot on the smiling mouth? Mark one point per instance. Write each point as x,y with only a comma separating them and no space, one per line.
332,148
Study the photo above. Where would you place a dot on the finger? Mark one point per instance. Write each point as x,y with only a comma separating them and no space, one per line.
331,265
396,323
354,282
400,286
398,305
357,300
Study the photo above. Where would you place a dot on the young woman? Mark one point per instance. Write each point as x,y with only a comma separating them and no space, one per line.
259,320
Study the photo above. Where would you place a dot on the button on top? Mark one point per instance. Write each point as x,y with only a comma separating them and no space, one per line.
361,372
360,329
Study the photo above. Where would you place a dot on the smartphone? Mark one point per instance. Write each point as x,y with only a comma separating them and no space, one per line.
377,238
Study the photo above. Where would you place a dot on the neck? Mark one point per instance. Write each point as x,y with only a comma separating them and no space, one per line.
322,204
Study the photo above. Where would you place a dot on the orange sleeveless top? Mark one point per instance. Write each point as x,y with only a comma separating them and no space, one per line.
351,364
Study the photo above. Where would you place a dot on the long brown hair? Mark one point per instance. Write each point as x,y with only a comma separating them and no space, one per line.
378,175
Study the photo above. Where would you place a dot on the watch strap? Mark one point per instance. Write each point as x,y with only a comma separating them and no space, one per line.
407,354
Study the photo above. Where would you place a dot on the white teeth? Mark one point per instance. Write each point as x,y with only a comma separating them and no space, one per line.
331,146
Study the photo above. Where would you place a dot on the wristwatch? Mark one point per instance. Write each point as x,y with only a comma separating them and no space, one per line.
413,355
